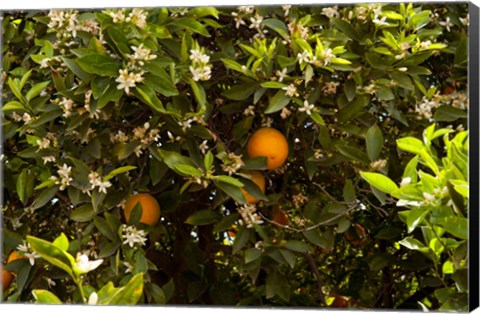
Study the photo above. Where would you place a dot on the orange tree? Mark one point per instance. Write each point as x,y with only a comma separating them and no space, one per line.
371,100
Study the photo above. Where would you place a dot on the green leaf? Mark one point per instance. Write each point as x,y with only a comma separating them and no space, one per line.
240,92
127,295
102,226
241,239
21,185
252,254
410,144
276,25
199,93
346,28
61,242
297,246
44,197
199,12
99,64
190,24
457,226
83,213
226,222
231,190
118,171
172,158
375,142
352,152
448,114
415,217
277,102
350,90
161,83
15,88
208,160
353,108
402,79
119,40
349,194
76,69
203,217
379,181
273,84
36,90
229,180
146,94
52,254
13,105
317,118
45,297
277,285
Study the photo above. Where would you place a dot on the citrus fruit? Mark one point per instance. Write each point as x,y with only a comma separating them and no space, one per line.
257,178
269,143
14,255
7,278
150,208
279,216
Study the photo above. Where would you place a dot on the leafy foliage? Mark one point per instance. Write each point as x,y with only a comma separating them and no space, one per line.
99,105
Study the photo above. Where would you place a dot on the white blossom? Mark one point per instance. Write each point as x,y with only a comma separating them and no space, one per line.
330,12
47,159
405,181
307,108
203,146
447,24
27,252
285,113
249,111
291,90
137,17
128,266
248,214
282,74
83,264
286,9
93,298
380,22
201,73
256,22
238,20
43,143
132,236
128,79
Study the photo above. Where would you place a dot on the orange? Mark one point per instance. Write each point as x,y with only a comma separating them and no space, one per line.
356,234
257,178
279,216
448,90
14,255
150,208
7,278
270,143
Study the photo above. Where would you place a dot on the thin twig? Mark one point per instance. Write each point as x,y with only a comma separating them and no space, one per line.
304,229
314,268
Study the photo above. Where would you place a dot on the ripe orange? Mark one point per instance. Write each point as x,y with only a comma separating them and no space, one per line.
14,255
355,234
257,178
448,90
270,143
150,208
7,278
279,216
